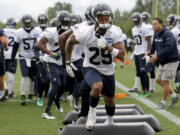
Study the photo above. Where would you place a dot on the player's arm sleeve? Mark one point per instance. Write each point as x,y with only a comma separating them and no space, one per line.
147,32
118,36
79,34
47,34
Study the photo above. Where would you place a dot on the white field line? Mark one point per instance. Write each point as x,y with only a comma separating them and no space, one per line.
151,105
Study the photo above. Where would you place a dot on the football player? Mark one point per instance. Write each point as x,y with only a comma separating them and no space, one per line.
53,22
3,44
83,89
42,80
145,20
53,58
77,59
176,33
102,43
25,40
171,21
10,64
142,36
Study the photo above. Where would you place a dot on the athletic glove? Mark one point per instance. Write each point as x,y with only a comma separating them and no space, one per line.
70,68
55,55
147,59
102,43
39,59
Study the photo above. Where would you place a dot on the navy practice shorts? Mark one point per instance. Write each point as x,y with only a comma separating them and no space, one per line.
11,65
140,63
91,76
28,71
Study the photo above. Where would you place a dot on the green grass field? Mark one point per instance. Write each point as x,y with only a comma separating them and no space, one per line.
26,120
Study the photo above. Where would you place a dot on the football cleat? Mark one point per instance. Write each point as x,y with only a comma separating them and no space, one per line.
48,115
59,108
39,102
23,100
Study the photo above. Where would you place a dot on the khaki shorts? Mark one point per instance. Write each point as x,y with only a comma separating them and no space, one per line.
167,72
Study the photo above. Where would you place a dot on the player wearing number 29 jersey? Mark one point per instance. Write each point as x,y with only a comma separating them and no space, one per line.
96,57
102,42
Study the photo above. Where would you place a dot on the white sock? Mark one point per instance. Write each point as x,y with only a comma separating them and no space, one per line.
5,85
92,110
1,93
109,119
31,86
152,84
137,82
173,94
24,85
10,82
163,101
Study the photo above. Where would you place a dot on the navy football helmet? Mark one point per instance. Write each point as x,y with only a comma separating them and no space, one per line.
63,20
11,23
171,19
89,15
100,10
145,17
136,18
74,19
27,21
53,22
42,20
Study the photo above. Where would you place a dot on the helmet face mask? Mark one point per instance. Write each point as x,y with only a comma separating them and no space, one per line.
65,25
104,21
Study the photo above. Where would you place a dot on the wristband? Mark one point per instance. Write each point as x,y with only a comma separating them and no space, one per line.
115,52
